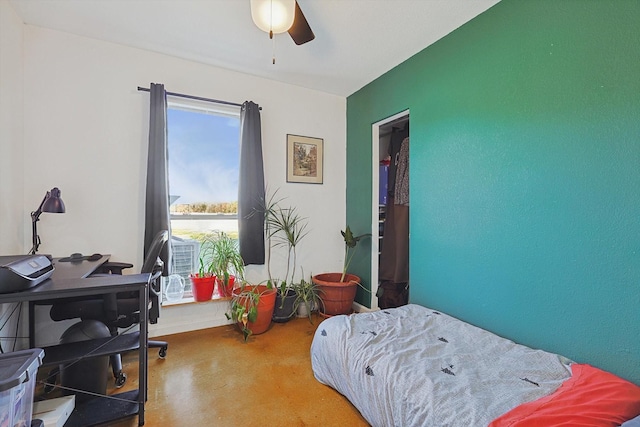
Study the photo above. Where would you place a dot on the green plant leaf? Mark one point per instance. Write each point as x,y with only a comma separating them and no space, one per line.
350,246
253,314
246,333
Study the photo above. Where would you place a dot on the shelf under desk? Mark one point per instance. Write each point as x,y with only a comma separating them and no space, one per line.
101,409
67,353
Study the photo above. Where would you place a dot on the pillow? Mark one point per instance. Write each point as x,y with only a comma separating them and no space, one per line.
632,423
591,397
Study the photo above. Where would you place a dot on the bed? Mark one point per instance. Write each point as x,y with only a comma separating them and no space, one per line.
414,366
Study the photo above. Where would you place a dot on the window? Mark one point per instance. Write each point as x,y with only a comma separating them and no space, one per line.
204,155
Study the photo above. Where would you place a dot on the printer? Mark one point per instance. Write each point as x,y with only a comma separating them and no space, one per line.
21,272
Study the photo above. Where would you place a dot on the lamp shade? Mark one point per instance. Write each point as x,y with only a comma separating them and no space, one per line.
53,203
274,16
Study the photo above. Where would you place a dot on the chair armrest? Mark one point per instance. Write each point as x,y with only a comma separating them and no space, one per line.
112,268
154,294
154,310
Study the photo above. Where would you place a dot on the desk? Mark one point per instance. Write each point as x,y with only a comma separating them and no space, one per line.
71,281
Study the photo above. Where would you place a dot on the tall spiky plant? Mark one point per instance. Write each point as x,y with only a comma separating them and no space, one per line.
287,228
284,227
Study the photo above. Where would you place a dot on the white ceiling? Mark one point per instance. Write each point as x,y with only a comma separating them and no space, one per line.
356,40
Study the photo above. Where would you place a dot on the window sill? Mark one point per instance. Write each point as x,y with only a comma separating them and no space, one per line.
190,300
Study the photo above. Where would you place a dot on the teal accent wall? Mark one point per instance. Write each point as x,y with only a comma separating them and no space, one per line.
524,175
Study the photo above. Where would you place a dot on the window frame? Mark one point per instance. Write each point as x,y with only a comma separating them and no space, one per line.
201,107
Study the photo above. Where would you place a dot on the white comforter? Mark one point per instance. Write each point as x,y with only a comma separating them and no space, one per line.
413,366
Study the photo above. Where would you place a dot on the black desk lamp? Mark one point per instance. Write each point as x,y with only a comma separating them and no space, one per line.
51,203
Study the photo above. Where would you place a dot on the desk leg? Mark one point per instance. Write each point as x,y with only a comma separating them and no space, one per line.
143,352
32,325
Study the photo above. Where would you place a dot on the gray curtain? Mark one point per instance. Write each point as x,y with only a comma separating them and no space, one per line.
251,186
157,194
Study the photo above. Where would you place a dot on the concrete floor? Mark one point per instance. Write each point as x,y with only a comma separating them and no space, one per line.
211,378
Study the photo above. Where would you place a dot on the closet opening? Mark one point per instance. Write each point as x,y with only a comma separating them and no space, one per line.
390,212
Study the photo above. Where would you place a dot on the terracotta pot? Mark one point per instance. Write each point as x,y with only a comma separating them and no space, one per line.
225,291
336,297
202,287
265,308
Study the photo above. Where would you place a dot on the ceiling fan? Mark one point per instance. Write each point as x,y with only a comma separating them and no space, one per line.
300,31
278,16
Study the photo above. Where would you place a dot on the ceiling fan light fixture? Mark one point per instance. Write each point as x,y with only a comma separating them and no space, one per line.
273,16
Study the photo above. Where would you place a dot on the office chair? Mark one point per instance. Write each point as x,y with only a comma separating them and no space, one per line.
120,310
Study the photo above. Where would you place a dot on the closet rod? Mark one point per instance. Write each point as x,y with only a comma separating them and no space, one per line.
197,98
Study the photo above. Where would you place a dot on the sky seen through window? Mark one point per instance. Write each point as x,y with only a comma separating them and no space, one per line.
204,152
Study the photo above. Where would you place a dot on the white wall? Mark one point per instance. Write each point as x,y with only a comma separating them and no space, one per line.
12,214
85,126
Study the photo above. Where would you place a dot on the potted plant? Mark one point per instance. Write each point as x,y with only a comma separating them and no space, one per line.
285,306
307,294
284,227
226,262
251,308
202,282
339,289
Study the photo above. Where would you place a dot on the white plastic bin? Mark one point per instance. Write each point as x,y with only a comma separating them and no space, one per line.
17,383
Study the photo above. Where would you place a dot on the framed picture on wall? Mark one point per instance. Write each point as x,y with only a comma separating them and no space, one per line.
304,159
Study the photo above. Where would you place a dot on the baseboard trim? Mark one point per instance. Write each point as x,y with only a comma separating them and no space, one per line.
359,308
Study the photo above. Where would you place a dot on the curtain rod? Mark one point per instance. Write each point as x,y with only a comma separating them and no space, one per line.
197,98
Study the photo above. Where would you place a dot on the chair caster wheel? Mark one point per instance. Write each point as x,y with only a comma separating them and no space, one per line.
162,353
120,379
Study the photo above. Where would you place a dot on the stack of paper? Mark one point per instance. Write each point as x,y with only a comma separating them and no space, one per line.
54,412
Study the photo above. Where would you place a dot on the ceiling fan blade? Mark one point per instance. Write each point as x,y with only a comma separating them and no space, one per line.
300,31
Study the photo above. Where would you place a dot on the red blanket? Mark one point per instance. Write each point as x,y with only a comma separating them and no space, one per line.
591,397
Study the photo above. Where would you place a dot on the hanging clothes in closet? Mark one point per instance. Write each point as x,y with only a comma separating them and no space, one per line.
393,290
